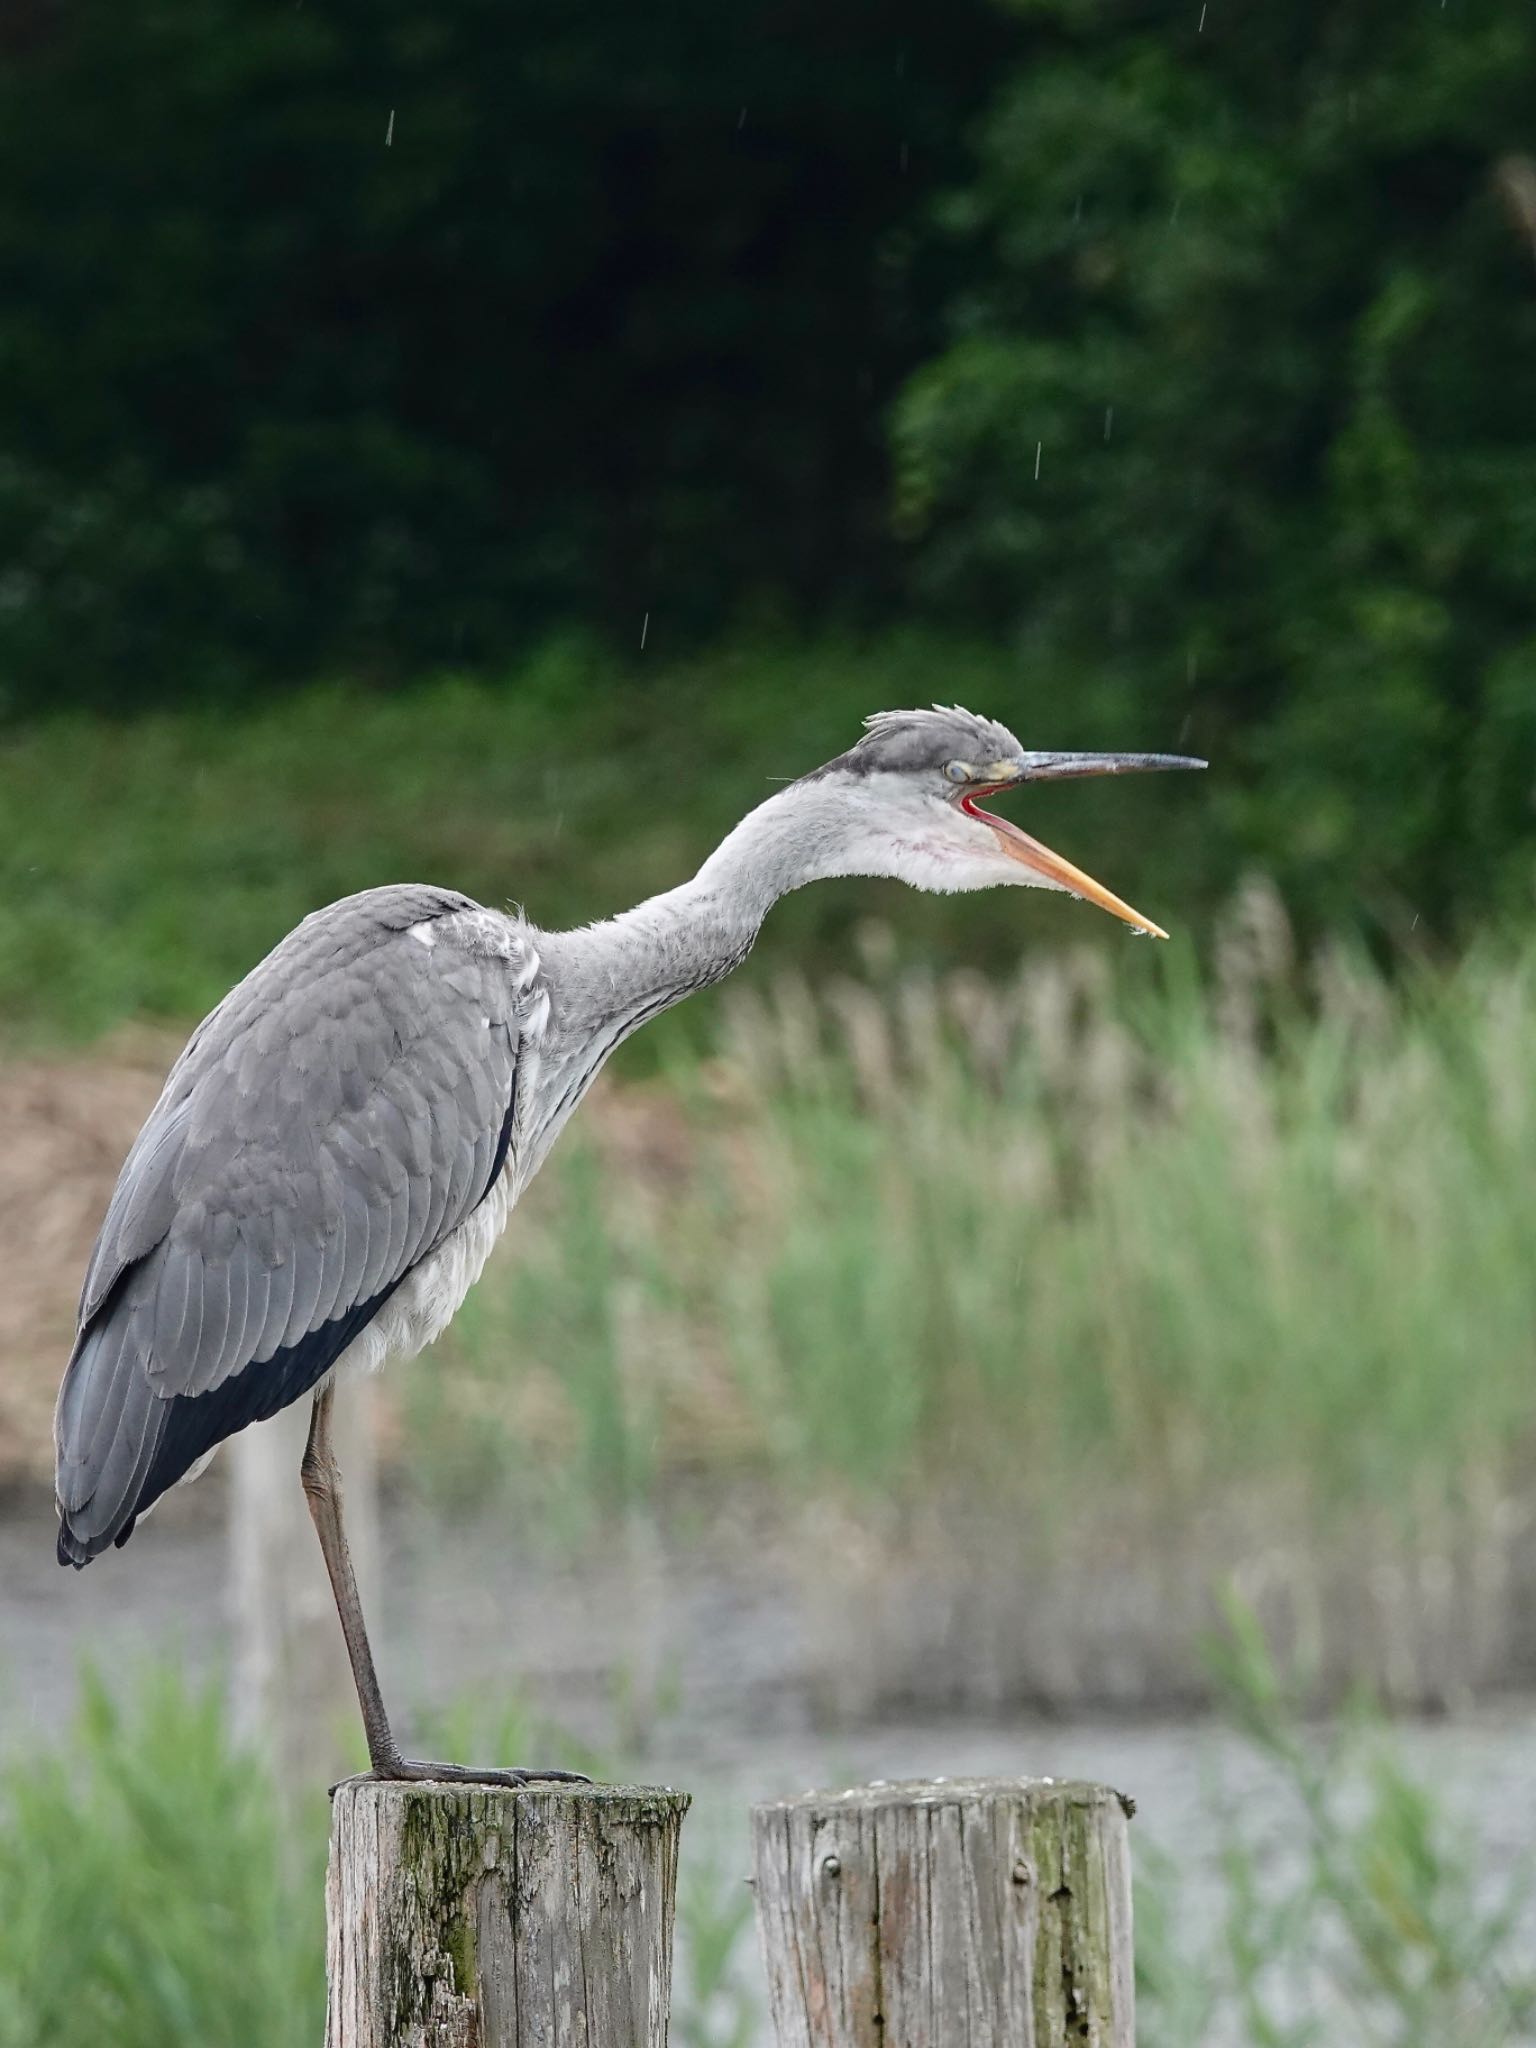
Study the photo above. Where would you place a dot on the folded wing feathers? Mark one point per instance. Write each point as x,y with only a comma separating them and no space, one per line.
279,1305
308,1276
329,1125
142,1205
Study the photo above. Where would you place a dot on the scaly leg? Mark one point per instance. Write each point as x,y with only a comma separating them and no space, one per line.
322,1489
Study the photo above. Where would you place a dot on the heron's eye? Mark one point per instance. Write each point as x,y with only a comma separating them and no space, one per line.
957,771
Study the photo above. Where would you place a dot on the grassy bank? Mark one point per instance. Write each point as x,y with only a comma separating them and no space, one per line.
1020,1302
1031,1277
145,865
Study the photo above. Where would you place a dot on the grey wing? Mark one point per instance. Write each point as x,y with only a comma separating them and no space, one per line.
339,1115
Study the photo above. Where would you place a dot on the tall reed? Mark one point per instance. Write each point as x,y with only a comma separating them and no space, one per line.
1244,1264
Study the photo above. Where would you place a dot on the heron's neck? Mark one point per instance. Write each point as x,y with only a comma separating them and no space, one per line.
607,979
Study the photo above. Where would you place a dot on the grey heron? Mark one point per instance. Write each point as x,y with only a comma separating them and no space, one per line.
340,1144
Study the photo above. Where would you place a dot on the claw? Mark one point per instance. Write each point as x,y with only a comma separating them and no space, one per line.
405,1769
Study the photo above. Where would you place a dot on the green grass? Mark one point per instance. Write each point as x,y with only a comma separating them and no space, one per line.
149,1896
145,865
1189,1278
1357,1907
1194,1243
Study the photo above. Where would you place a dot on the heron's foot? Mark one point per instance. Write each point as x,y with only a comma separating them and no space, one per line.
405,1769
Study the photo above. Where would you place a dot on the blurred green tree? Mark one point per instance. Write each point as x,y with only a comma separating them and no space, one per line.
385,334
1236,426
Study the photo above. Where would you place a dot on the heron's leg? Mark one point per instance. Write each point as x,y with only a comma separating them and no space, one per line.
322,1489
321,1479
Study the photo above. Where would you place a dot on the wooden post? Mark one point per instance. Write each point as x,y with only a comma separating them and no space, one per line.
973,1913
468,1917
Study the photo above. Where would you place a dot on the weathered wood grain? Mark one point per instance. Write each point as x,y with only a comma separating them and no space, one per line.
472,1917
972,1913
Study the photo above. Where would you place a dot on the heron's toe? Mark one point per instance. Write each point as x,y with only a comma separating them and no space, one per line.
407,1769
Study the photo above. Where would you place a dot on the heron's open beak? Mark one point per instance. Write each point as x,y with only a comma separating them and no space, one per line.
1050,867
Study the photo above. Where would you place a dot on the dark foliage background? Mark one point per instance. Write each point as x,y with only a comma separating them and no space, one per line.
1258,282
1184,357
391,333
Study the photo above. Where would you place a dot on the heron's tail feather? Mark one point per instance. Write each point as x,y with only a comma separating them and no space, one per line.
121,1442
109,1425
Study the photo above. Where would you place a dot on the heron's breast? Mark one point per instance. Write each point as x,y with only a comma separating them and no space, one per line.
428,1298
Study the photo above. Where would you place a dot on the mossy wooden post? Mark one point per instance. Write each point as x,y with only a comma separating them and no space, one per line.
965,1913
469,1917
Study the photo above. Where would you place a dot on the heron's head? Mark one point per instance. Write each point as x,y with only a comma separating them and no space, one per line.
914,786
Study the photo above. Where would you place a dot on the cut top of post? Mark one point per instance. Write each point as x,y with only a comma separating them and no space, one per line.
653,1804
917,1792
